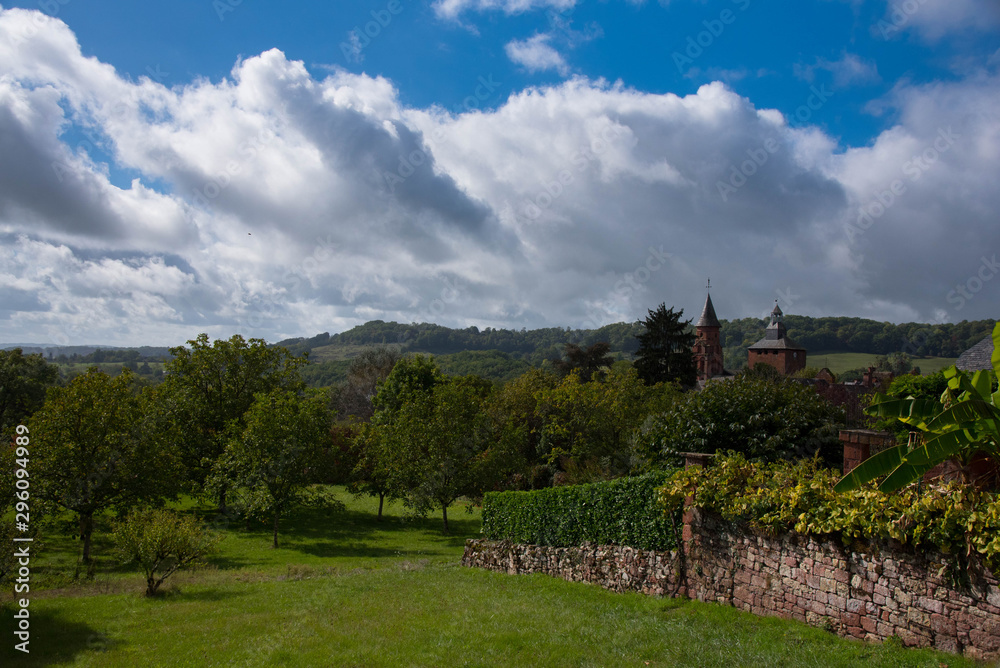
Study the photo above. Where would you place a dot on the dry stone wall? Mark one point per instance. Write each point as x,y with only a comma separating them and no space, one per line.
870,592
614,567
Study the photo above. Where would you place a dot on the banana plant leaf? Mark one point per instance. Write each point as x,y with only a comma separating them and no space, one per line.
912,411
940,447
982,413
903,475
878,465
995,358
982,381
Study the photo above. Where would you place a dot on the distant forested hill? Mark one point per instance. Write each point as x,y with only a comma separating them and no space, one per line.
503,353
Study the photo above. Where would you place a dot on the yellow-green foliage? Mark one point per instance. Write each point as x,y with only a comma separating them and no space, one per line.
956,519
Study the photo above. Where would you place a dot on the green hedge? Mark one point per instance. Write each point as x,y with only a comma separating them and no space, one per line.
618,512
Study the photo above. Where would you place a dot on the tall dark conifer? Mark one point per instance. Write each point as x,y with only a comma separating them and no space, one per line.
665,348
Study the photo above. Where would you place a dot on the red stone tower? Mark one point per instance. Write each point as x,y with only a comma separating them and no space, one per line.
776,349
707,347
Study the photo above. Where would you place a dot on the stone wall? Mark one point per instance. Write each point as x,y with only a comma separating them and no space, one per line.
613,567
870,592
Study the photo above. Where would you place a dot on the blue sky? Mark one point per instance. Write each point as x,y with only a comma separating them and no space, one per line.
281,169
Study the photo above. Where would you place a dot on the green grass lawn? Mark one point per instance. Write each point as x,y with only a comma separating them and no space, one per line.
841,362
344,590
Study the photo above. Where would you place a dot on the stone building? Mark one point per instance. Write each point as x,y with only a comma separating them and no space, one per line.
776,348
978,357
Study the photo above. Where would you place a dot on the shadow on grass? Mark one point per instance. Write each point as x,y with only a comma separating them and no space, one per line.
54,639
351,533
205,596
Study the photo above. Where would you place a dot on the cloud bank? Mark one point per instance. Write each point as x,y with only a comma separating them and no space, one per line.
277,204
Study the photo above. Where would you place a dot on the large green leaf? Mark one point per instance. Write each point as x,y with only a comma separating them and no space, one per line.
904,474
958,382
940,447
983,413
880,464
983,382
995,358
912,411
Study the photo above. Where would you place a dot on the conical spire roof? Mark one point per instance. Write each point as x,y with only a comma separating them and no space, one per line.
708,317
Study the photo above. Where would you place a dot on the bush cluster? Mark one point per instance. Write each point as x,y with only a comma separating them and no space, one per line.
617,512
958,520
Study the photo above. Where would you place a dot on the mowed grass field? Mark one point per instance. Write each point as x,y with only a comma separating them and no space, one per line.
345,590
841,362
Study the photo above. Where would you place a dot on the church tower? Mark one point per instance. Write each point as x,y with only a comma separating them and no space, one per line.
707,347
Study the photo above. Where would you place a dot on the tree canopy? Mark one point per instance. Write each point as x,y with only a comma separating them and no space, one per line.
94,448
215,384
664,353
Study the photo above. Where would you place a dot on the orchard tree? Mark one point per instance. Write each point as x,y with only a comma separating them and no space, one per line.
371,367
516,425
94,448
161,542
373,472
441,446
664,353
378,465
24,380
8,562
215,385
280,450
588,427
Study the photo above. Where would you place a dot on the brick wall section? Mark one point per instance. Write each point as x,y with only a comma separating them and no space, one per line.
869,594
859,444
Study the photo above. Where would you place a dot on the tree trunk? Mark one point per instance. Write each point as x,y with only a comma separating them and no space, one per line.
86,531
276,528
222,501
381,498
444,509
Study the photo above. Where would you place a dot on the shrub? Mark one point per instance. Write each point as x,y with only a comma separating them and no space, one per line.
766,419
616,512
162,543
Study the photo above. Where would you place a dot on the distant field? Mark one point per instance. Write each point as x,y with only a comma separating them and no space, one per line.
112,368
336,352
841,362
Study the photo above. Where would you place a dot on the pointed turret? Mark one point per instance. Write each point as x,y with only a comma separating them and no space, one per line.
707,347
708,317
